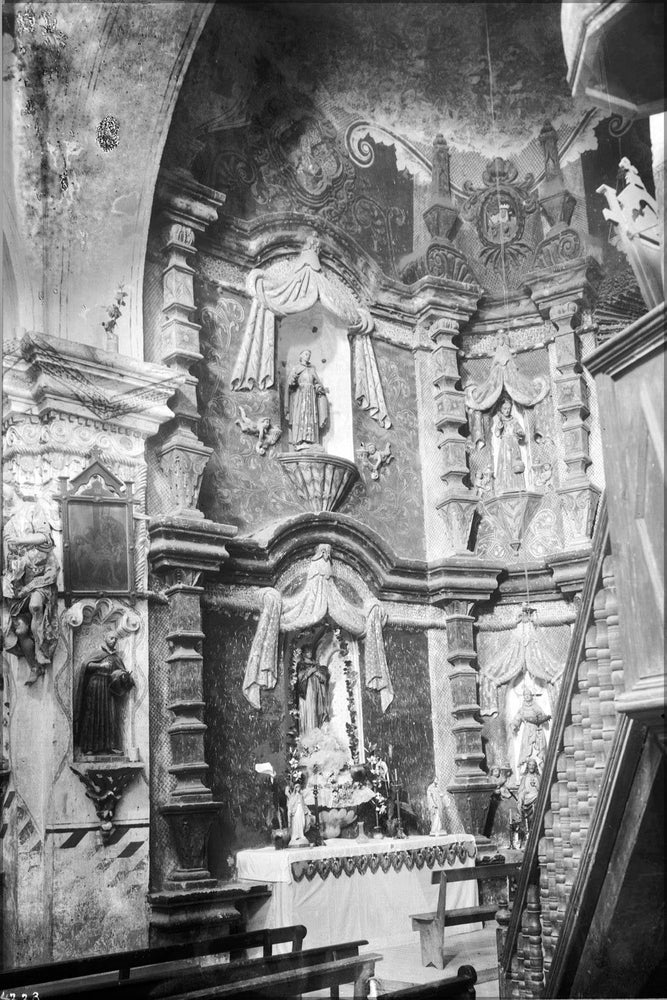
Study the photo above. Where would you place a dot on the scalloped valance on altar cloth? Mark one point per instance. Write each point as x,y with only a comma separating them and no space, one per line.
348,857
299,290
318,599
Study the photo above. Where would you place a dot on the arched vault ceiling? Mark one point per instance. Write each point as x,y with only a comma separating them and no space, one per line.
412,69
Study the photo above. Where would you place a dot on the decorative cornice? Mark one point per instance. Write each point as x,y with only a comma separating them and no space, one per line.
189,544
261,559
46,375
629,347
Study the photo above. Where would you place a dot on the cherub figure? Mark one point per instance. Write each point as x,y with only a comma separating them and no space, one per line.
484,481
267,434
375,458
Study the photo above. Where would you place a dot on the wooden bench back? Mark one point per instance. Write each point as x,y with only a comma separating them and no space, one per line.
477,873
124,961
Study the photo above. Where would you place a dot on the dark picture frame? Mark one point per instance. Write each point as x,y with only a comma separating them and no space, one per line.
98,534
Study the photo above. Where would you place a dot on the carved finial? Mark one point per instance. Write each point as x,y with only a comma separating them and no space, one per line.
549,141
440,183
556,202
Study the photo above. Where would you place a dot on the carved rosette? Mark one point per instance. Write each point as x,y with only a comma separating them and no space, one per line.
321,481
511,514
105,784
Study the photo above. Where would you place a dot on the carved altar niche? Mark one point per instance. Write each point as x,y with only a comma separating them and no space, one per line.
323,334
322,674
512,457
521,652
92,629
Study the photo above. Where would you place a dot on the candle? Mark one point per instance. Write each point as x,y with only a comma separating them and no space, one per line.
396,775
391,751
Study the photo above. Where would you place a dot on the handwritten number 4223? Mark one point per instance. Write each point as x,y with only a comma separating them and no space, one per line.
16,996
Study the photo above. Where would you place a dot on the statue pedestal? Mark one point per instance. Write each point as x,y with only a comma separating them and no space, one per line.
321,481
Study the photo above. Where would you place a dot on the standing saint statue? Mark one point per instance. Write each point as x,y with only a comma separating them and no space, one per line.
509,463
307,405
103,680
312,685
530,720
434,798
527,792
299,817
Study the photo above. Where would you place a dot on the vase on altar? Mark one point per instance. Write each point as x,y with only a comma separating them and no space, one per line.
333,820
361,833
281,838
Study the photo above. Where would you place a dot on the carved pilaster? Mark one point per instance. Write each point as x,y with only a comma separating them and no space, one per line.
187,208
579,498
181,550
458,503
471,786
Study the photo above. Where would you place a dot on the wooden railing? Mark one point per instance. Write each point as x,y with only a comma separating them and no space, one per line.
550,862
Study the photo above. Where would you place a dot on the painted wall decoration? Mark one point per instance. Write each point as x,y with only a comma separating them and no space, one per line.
393,498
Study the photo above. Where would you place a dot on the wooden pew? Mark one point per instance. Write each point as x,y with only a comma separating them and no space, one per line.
293,982
98,968
431,926
458,987
275,975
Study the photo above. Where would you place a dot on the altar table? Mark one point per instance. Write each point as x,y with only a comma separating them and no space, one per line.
348,890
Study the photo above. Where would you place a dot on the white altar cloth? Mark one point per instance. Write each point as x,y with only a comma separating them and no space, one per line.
375,906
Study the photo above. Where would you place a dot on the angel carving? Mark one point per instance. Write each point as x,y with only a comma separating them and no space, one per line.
375,458
267,434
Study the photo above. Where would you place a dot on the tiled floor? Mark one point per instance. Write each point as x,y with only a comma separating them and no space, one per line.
401,965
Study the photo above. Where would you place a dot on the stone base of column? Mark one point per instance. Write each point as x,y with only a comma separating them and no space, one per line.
472,803
182,917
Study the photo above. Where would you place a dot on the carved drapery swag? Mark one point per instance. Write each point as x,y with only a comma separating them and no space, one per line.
319,597
301,288
527,649
503,377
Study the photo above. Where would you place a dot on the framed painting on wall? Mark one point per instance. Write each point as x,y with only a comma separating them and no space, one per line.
98,534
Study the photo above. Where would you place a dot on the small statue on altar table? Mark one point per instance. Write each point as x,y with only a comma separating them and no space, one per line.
299,817
434,800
